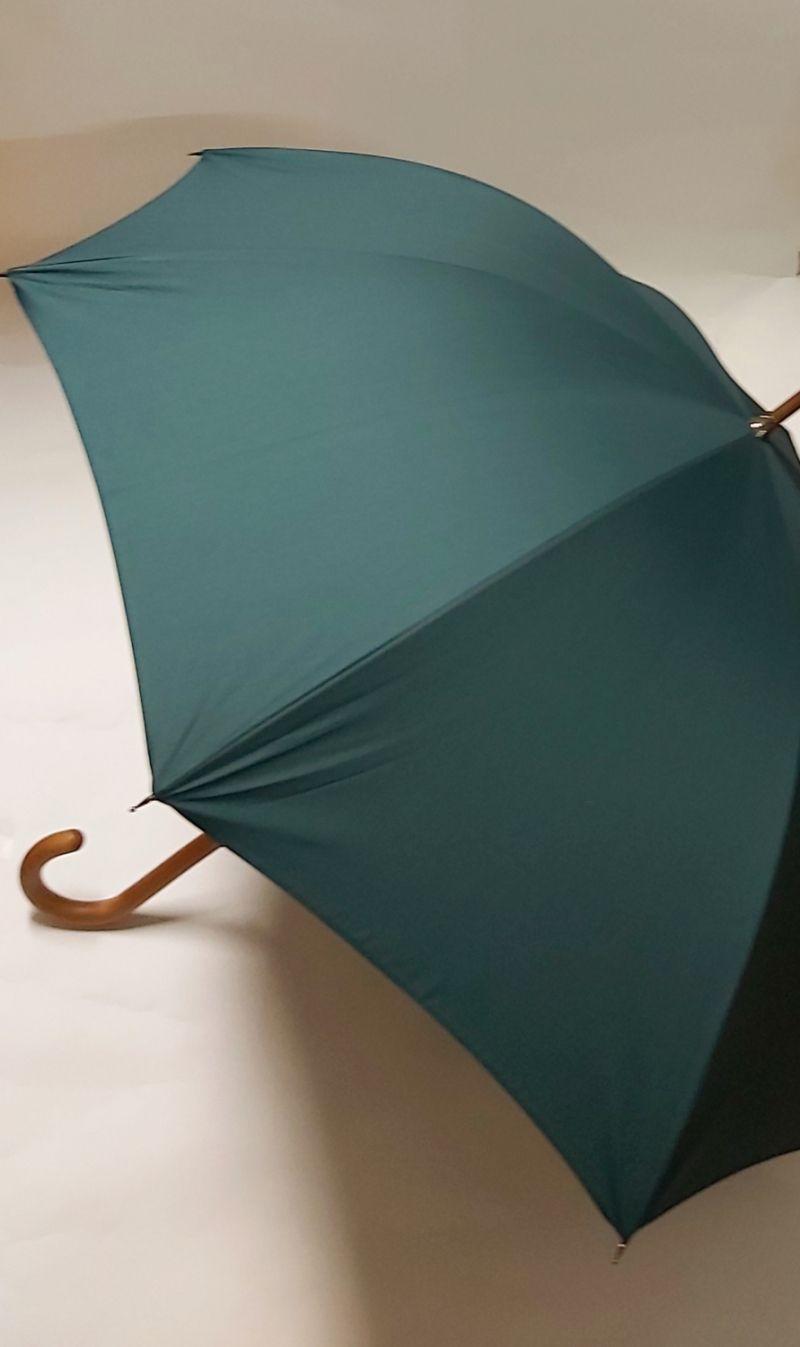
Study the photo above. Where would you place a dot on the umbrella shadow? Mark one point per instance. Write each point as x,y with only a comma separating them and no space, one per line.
461,1223
135,921
444,1214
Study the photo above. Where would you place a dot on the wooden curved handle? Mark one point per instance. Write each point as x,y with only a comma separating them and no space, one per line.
93,916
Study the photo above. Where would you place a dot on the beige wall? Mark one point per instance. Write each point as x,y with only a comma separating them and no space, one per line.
661,129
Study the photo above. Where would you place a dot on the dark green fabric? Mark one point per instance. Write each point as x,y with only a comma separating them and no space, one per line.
748,1108
360,387
463,605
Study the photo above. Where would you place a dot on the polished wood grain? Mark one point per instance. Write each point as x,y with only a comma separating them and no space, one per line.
767,421
786,409
94,916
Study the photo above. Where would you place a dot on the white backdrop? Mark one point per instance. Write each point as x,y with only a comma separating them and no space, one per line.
221,1128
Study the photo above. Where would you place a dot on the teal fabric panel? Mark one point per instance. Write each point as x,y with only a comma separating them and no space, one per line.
325,394
553,813
463,604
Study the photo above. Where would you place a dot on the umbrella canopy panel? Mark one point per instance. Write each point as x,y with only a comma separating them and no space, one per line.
360,387
463,603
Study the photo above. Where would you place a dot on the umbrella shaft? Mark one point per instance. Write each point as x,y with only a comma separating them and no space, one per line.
767,421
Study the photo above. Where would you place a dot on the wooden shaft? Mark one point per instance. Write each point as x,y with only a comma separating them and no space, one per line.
766,422
786,409
94,916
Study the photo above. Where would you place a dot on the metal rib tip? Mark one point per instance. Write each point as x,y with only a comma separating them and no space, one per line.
620,1249
141,803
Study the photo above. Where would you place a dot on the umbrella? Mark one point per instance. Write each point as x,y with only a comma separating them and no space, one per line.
462,583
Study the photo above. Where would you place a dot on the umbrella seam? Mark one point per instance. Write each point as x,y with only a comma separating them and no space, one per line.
188,779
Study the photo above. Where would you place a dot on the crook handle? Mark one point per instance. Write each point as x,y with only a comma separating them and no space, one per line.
94,916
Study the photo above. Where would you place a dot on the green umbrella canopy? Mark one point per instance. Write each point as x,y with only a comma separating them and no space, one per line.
464,604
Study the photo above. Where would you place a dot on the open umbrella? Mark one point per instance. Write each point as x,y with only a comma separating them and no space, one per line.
462,583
